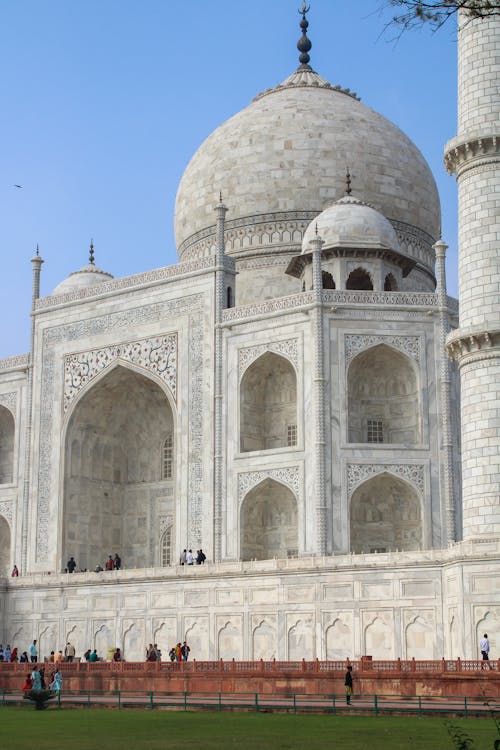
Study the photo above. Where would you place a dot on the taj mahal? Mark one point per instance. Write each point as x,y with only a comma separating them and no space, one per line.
298,396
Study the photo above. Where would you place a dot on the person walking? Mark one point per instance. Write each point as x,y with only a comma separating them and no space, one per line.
484,647
348,685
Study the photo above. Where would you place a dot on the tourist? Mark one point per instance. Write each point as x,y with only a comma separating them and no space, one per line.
117,561
14,656
98,568
58,657
52,657
24,658
69,652
36,680
200,557
93,656
56,682
15,572
178,652
484,646
1,652
28,684
7,653
157,652
70,567
150,653
171,653
33,652
189,557
348,685
185,651
86,655
41,672
117,655
110,563
183,557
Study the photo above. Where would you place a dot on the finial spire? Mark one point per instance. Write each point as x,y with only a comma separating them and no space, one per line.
91,253
37,250
304,45
348,190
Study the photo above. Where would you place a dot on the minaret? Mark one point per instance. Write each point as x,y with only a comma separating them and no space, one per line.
474,157
36,265
220,253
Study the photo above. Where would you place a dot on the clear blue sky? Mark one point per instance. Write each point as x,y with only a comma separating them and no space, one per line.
103,102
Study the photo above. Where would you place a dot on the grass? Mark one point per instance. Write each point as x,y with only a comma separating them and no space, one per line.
24,728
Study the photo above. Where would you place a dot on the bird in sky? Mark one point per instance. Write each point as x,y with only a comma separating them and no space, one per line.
18,186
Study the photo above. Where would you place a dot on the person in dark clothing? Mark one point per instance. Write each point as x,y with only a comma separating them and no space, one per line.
117,561
348,685
71,565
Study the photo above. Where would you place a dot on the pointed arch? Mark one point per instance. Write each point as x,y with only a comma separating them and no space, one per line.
268,522
383,397
166,547
327,280
116,424
7,433
5,542
385,515
268,403
359,279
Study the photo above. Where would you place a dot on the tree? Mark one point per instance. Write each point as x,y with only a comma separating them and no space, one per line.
411,13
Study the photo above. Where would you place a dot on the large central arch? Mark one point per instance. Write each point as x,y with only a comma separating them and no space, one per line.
114,492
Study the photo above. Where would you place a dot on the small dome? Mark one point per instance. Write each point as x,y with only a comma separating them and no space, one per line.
87,276
350,222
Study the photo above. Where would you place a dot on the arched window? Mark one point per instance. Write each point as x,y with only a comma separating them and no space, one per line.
7,430
166,547
268,398
360,280
327,280
390,284
269,522
383,398
167,465
385,516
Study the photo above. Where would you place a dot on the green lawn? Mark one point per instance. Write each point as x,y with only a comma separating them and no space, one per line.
84,729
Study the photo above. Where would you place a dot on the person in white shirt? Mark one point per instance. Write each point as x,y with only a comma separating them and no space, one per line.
484,646
189,557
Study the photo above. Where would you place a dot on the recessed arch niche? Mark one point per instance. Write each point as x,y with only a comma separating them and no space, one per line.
4,547
268,404
113,487
7,430
383,398
385,516
359,280
268,522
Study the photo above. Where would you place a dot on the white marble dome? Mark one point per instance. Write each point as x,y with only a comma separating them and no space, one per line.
351,223
283,159
87,276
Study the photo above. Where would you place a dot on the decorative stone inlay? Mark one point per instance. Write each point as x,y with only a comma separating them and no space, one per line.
128,282
289,475
157,354
191,306
9,400
7,510
288,349
12,363
460,151
356,343
358,473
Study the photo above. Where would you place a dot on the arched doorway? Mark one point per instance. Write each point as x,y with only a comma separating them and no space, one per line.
385,516
268,404
359,280
384,403
4,547
114,490
269,522
7,430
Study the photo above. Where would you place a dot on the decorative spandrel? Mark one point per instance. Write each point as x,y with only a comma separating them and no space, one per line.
157,354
